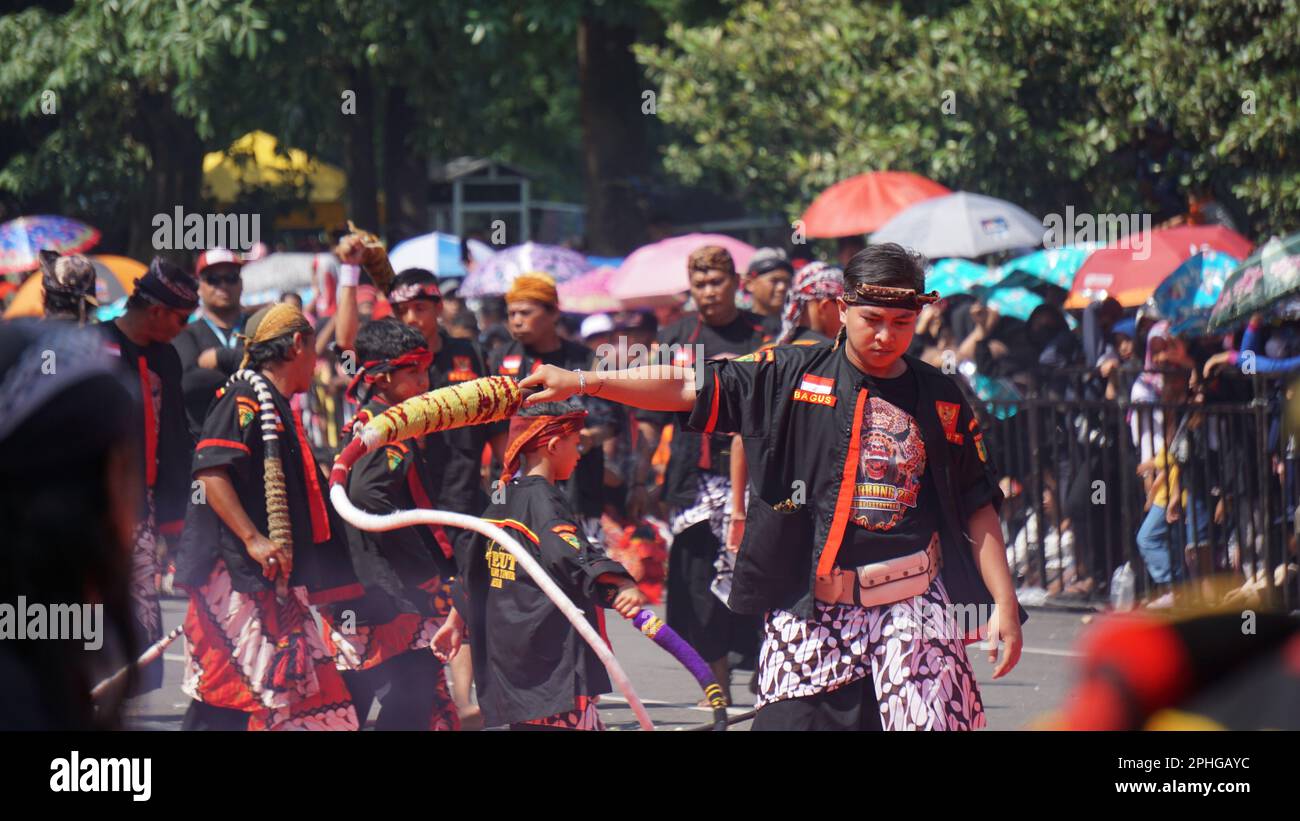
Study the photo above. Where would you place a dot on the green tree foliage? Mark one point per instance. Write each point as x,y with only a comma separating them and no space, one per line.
1043,102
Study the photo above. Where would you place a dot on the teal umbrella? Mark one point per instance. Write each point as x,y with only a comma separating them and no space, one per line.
1269,275
1187,295
1053,266
958,276
1017,302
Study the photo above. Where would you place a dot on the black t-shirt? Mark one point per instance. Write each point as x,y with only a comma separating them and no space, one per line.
894,502
586,487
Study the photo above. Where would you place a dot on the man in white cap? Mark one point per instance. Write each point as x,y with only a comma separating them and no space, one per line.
211,340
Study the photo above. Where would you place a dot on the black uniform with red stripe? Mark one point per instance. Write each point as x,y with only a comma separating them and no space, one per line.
400,568
529,661
800,410
586,488
232,439
166,437
677,345
381,642
454,457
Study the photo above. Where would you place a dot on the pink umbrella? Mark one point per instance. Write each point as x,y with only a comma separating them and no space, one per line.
659,269
589,293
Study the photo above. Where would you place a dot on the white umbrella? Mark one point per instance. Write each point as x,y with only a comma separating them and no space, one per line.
962,225
435,252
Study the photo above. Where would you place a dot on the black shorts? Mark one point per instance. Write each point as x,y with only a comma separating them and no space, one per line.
698,616
851,707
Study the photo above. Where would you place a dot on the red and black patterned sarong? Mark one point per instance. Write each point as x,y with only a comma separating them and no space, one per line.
250,652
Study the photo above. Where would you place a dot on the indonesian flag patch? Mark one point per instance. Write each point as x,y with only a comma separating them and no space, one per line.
948,413
510,365
816,390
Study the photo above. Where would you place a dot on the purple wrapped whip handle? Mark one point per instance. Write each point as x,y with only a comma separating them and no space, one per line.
654,628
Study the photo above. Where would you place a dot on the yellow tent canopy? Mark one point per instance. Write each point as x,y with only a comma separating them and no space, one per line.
253,161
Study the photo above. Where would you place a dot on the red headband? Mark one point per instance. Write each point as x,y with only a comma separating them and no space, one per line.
372,370
527,433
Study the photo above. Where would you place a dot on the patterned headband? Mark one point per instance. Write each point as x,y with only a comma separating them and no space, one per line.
885,297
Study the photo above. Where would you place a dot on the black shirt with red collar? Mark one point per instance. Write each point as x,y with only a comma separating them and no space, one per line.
586,488
688,343
400,568
456,455
810,428
232,439
165,436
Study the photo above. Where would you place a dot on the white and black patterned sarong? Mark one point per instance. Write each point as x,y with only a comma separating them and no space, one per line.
913,651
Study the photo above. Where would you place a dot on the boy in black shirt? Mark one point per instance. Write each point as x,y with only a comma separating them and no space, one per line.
531,666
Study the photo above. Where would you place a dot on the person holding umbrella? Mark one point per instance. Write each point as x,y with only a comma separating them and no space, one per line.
872,506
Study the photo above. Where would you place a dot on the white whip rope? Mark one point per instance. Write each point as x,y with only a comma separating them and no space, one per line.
406,518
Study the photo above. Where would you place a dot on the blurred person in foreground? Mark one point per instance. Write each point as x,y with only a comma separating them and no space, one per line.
255,658
141,339
69,500
873,508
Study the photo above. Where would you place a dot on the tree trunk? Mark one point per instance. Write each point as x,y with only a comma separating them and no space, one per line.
363,194
405,172
175,176
613,136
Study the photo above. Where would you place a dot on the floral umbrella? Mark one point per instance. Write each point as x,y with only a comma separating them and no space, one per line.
1187,296
493,277
22,239
1269,275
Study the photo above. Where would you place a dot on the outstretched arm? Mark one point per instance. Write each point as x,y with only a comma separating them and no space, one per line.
650,387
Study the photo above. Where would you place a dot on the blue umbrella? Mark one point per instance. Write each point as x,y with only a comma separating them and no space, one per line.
958,276
1187,296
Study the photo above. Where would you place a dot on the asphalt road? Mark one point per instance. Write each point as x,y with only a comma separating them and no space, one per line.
1037,685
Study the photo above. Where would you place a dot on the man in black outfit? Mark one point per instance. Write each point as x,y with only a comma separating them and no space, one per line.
697,485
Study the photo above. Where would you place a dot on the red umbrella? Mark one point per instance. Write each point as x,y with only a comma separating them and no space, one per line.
1132,268
861,204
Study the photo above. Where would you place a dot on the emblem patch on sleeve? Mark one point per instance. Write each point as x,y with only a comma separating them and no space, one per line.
246,411
569,533
979,447
948,412
394,457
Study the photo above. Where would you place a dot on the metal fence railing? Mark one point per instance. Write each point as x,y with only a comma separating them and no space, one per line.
1198,495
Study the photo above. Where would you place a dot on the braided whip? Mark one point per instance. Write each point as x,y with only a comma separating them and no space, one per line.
476,402
279,528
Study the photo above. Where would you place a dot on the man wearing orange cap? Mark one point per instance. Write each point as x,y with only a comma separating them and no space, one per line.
532,313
